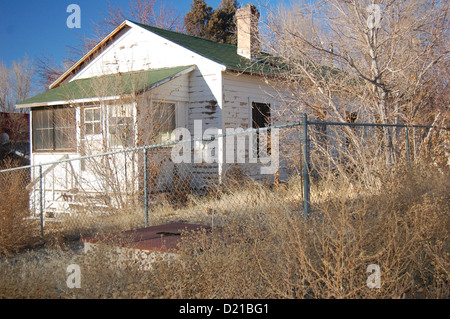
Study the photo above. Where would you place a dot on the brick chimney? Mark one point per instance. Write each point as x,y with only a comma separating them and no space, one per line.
248,44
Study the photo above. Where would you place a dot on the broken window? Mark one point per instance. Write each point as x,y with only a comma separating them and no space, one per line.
163,121
260,119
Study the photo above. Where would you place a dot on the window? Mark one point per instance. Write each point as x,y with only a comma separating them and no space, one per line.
53,129
43,130
92,121
163,121
120,122
261,118
64,128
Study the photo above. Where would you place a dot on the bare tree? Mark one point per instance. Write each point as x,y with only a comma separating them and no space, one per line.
5,87
22,73
16,83
371,58
48,70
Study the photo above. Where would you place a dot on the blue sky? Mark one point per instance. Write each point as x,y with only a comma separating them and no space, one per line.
37,27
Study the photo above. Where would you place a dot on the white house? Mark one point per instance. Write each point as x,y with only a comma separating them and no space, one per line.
135,87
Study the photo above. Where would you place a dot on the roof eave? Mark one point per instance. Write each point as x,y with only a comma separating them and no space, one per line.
252,73
67,102
168,79
106,98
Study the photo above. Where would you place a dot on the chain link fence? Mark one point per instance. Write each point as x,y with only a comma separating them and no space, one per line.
208,180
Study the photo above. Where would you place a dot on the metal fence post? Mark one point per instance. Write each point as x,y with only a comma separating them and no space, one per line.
300,134
408,158
146,187
306,207
41,201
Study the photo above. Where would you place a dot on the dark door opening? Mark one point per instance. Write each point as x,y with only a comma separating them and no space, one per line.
261,118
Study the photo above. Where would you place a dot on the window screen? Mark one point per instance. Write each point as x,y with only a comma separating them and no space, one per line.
53,129
120,122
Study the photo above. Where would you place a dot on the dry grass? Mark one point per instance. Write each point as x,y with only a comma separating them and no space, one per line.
266,249
15,231
403,229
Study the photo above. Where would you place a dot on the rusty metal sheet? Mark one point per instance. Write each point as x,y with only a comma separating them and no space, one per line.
155,238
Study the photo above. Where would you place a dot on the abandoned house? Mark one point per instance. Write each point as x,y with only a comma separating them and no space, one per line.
134,88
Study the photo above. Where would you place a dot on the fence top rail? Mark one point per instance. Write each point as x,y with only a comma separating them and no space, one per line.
377,125
213,137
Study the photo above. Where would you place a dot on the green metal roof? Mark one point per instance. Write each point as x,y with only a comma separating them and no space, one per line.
125,83
225,54
105,86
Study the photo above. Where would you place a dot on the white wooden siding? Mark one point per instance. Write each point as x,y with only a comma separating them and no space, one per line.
240,91
138,49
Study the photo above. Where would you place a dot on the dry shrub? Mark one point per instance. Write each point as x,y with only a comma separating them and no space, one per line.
108,272
15,230
86,222
403,229
35,274
104,274
275,253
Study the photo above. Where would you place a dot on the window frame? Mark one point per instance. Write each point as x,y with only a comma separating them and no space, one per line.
129,123
268,122
175,115
91,122
53,127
